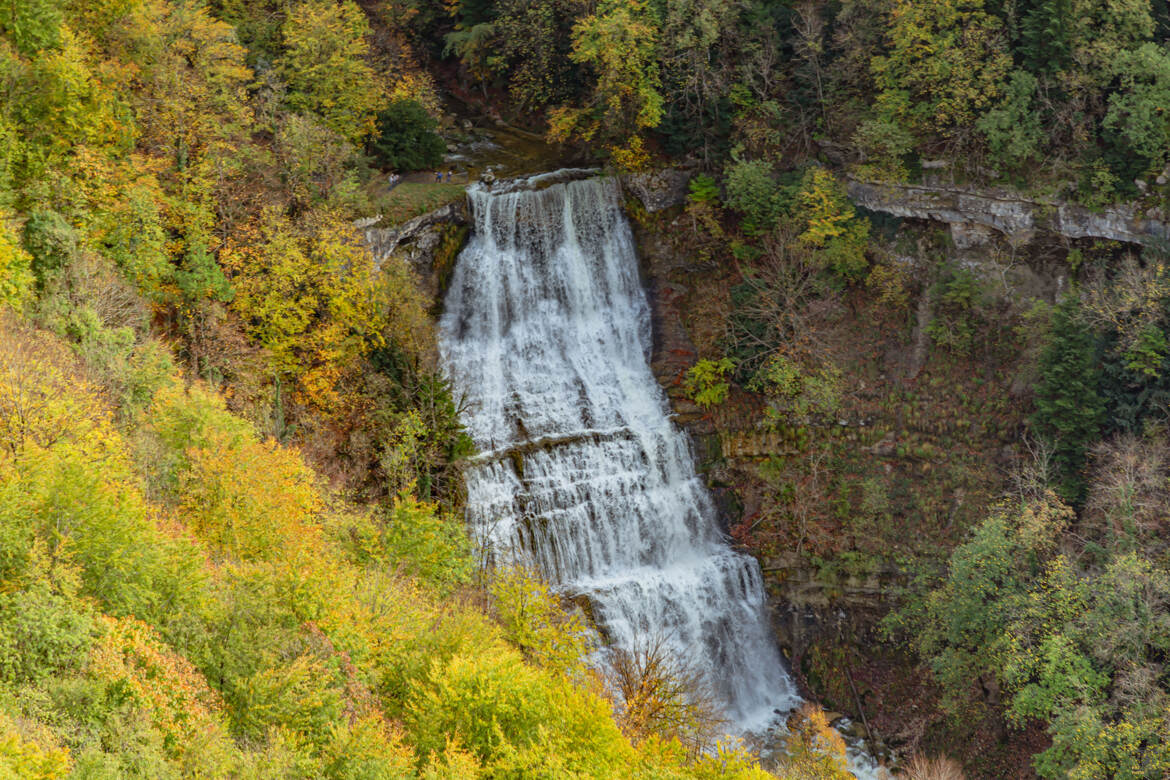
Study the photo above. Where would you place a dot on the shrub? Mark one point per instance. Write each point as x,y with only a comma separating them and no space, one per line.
533,724
796,393
50,240
705,384
958,296
753,192
406,139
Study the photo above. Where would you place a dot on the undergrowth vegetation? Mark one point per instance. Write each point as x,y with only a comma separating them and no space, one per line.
230,534
182,597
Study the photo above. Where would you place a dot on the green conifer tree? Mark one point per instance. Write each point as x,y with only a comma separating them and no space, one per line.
1045,45
1068,407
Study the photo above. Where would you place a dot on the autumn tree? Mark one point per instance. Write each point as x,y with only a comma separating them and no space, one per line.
535,622
946,62
325,64
657,693
309,296
813,749
965,628
830,225
535,40
618,43
191,104
1098,32
1129,493
16,278
1075,645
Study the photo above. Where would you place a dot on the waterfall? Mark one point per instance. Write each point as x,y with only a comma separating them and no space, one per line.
582,474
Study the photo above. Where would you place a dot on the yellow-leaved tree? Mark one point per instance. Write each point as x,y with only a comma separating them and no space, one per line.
830,225
618,42
946,61
308,295
326,66
813,750
16,276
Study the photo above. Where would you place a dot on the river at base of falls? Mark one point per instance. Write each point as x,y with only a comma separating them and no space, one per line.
582,474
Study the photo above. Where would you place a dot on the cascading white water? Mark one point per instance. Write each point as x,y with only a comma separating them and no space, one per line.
546,331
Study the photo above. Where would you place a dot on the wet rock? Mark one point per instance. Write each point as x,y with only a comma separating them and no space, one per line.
852,729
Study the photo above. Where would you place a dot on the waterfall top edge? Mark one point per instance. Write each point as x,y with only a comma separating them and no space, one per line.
536,182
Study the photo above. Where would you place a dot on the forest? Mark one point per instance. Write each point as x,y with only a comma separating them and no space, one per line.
231,465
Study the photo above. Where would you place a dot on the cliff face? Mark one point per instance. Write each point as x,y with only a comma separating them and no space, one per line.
973,214
729,439
834,509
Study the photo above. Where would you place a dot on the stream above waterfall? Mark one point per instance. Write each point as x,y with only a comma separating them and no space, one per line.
546,333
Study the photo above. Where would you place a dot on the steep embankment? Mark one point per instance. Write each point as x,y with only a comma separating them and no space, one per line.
843,511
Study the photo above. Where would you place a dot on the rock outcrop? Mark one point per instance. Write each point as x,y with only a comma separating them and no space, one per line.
972,214
658,190
383,241
425,242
